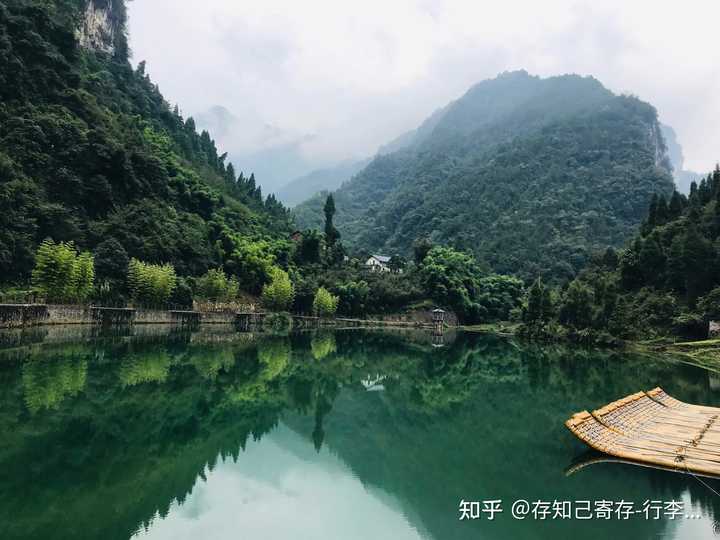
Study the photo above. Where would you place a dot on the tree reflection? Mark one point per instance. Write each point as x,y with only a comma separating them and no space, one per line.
47,382
418,421
151,366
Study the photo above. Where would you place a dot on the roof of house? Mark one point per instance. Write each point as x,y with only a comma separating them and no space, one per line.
381,258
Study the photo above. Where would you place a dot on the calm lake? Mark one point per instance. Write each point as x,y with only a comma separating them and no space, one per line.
153,433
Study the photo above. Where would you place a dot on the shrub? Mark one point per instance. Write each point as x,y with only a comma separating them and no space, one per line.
61,274
216,286
325,303
278,295
151,284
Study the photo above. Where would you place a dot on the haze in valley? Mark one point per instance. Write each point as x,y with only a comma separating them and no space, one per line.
287,87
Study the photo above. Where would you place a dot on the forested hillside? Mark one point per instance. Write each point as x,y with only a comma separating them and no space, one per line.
665,282
91,152
531,175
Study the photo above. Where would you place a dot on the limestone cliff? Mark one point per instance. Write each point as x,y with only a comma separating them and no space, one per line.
102,26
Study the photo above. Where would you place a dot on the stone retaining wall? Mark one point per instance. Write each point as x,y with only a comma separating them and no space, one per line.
24,315
19,315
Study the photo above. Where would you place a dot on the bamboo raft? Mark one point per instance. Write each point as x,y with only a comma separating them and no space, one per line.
656,429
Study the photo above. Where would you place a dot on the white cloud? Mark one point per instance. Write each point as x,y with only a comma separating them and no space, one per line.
357,74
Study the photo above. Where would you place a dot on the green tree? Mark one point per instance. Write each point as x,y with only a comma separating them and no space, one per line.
354,297
421,247
699,260
84,276
151,285
631,271
216,286
253,262
452,278
610,258
676,206
331,233
325,303
576,309
111,260
675,273
652,259
278,295
309,249
533,311
61,274
397,263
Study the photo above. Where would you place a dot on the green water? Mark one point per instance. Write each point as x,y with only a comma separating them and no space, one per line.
160,434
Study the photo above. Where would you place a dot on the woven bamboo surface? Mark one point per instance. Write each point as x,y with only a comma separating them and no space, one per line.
654,428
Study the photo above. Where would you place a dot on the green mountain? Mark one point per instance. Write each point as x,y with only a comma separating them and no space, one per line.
530,174
91,152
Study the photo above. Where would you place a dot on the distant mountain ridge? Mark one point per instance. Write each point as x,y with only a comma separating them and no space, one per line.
328,179
253,145
530,174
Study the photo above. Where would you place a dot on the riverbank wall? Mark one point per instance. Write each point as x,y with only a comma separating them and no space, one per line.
27,315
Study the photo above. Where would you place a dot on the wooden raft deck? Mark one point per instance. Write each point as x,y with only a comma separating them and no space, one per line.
654,428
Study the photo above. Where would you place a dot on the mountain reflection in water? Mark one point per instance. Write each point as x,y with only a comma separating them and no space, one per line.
164,434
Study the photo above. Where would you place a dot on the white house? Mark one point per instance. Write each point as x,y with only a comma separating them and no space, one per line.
378,263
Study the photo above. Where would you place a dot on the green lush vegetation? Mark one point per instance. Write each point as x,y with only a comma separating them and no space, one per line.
92,154
215,286
61,274
530,175
278,295
151,284
665,283
109,195
436,276
325,303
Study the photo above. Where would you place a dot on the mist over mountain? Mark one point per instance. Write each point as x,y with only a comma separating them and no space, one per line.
328,179
683,178
273,154
532,175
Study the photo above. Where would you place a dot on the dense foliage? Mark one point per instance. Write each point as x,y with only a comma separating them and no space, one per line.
61,274
531,175
325,303
91,153
454,278
278,295
151,284
666,282
217,287
437,276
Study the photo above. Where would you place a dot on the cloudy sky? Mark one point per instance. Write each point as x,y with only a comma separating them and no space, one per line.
346,77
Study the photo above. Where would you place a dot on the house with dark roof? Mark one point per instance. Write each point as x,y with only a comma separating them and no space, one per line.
378,263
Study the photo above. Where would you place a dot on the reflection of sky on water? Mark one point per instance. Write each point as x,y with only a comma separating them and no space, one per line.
280,488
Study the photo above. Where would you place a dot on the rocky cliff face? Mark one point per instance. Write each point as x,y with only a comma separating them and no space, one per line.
102,25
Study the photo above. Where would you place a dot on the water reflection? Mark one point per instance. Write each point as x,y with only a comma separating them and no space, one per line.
356,434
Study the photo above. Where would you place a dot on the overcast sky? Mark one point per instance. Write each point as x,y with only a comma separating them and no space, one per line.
354,75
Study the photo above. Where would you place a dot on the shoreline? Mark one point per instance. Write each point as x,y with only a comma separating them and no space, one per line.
14,316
